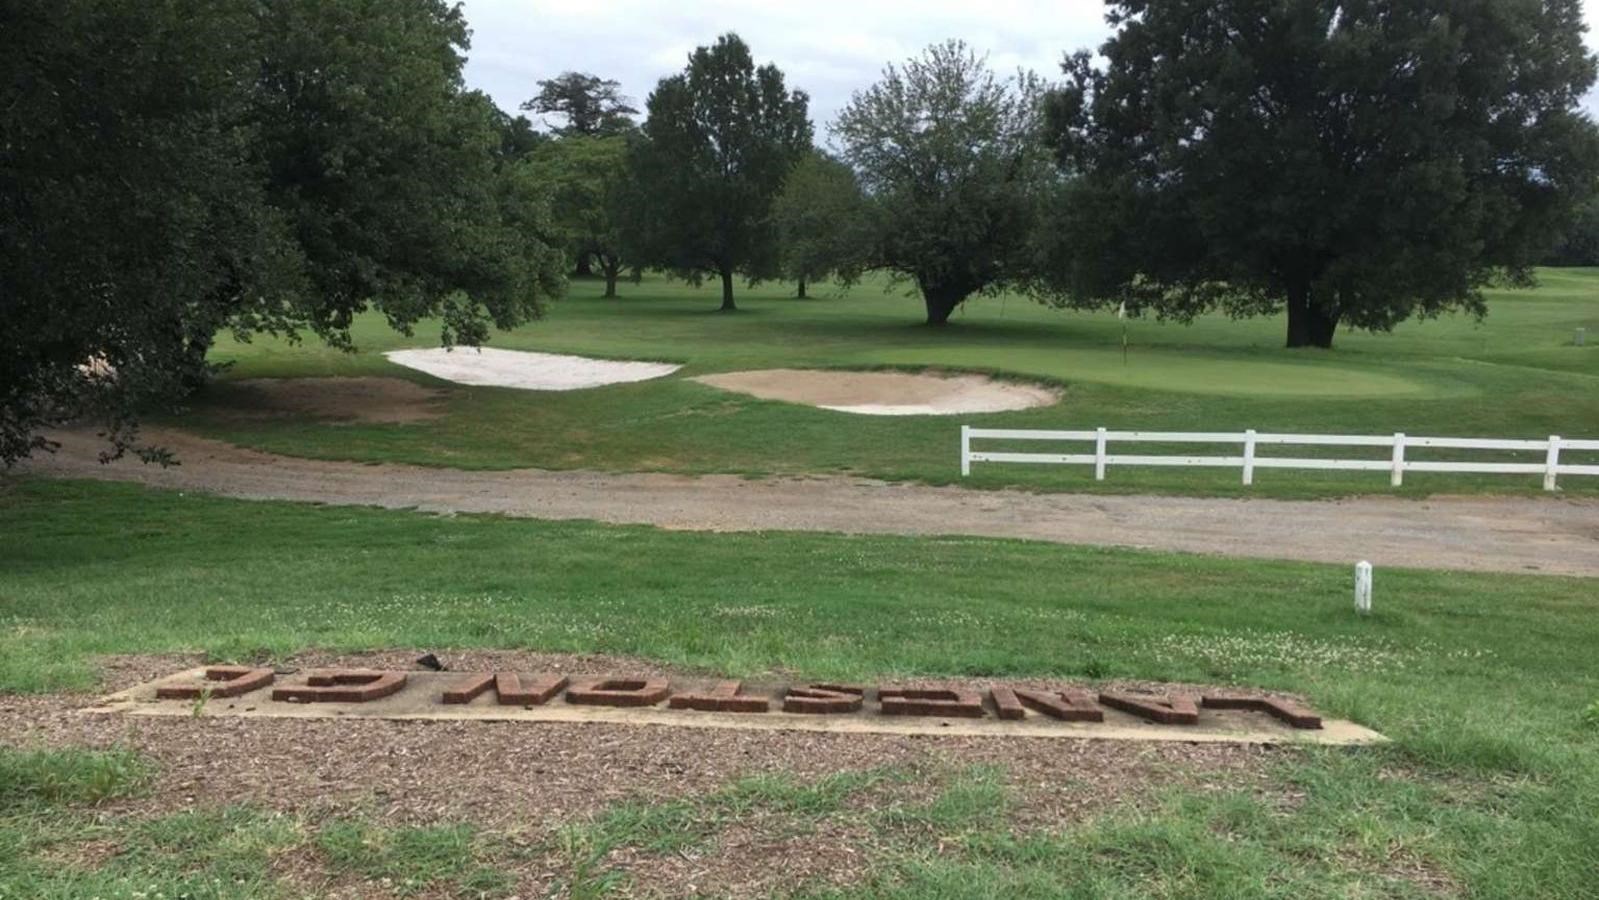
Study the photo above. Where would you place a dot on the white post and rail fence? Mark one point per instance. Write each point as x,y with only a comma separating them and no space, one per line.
1248,458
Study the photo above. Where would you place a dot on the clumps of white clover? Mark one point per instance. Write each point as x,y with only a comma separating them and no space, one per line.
1250,648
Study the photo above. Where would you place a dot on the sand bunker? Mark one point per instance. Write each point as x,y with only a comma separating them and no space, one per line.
491,367
351,399
885,393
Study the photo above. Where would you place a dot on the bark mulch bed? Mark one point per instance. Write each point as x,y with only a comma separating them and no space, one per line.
523,780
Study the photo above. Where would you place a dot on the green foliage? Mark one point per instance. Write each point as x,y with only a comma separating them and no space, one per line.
391,171
1590,715
948,153
590,188
822,221
175,168
412,860
719,140
68,776
1579,243
1358,164
592,106
133,221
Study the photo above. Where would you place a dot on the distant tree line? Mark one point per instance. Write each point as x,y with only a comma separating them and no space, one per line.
173,169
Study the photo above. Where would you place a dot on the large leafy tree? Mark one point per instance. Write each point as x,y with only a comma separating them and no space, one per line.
589,105
822,221
718,141
1356,163
590,188
1579,243
949,154
133,221
172,168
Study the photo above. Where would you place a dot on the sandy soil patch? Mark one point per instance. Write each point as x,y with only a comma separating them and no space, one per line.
492,367
388,400
885,393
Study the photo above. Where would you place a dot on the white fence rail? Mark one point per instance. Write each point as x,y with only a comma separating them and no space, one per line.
1248,459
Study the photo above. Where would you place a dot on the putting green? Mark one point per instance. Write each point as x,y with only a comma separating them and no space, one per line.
1168,370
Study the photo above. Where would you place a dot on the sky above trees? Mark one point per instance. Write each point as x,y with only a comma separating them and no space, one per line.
828,48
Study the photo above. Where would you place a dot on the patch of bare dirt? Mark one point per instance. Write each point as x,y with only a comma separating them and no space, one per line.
362,399
885,393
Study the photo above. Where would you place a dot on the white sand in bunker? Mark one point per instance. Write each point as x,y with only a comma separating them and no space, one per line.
492,367
885,393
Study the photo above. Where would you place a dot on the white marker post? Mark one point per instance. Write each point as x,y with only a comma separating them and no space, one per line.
1363,588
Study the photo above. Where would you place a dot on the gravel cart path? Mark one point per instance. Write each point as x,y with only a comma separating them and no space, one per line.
1499,534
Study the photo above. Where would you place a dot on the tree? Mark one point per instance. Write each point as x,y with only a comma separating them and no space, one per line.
718,141
592,106
172,168
821,216
949,154
1356,163
589,185
517,137
1579,242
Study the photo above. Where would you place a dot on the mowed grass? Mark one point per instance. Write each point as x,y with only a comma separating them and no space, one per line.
1485,682
1516,374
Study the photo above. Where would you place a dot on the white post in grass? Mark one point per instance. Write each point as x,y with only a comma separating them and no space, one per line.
1099,455
966,450
1398,476
1581,338
1249,456
1551,463
1363,588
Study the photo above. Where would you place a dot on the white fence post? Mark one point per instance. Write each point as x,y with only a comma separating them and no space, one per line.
1398,476
1249,456
1363,587
1551,463
966,450
1099,455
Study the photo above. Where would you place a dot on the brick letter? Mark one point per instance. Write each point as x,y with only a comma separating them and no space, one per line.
610,691
931,702
723,697
225,681
1176,710
342,686
1288,711
508,689
823,699
1068,706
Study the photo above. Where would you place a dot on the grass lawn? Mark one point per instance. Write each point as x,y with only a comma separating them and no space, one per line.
1517,374
1486,683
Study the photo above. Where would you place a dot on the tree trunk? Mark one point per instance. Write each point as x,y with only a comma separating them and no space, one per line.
611,271
727,291
941,300
583,269
1308,324
801,294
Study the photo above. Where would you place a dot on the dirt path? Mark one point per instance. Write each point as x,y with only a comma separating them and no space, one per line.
1482,534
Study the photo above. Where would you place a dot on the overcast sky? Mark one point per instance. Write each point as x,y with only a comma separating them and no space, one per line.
825,47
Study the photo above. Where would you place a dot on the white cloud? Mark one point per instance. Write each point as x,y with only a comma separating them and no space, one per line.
828,48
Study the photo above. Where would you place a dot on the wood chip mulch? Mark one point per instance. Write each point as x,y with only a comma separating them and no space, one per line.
524,779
